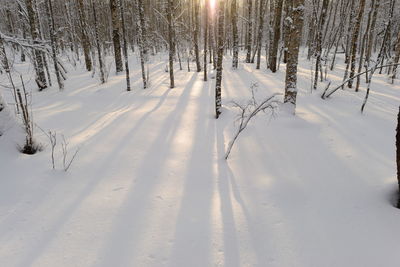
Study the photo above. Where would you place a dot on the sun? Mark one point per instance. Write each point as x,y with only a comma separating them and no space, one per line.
212,5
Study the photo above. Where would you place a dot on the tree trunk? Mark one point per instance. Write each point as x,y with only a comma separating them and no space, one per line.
196,34
220,54
398,155
235,37
364,40
318,48
128,81
116,26
349,31
354,38
53,40
206,9
249,30
277,32
142,38
260,31
39,64
97,39
286,29
171,43
396,56
84,35
371,36
297,18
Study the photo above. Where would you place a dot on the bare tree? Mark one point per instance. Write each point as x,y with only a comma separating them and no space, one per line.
354,42
53,40
116,26
196,34
39,64
263,4
98,45
84,35
171,43
318,45
220,54
235,37
206,10
297,18
128,81
249,32
273,52
398,155
142,40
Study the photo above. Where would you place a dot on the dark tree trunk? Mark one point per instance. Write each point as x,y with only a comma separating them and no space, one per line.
398,155
260,31
122,10
205,38
196,34
171,43
39,64
296,27
249,38
220,54
97,39
116,26
84,35
277,33
235,37
53,40
354,42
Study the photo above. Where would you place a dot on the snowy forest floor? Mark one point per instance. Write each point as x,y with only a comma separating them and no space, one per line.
149,185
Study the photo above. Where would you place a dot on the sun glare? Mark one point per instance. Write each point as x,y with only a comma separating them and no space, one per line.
212,5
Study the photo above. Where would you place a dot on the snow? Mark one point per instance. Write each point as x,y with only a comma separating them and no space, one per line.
150,187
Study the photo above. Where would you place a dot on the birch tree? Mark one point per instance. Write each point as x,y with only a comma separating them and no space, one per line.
296,27
220,54
84,35
38,64
273,54
116,26
171,43
235,37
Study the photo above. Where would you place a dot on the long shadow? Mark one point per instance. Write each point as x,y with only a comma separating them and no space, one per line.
128,230
42,243
192,230
95,180
231,250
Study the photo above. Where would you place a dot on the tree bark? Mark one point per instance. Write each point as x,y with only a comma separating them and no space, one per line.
53,40
235,37
206,10
249,30
116,26
354,39
398,155
171,43
260,31
97,39
84,35
318,48
196,34
297,18
122,10
220,54
276,36
142,38
39,64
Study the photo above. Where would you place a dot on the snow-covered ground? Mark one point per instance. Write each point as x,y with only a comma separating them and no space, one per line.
150,187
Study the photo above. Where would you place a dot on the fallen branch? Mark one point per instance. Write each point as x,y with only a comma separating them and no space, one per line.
324,95
247,113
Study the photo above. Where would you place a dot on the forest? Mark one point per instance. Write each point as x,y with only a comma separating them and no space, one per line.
199,133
